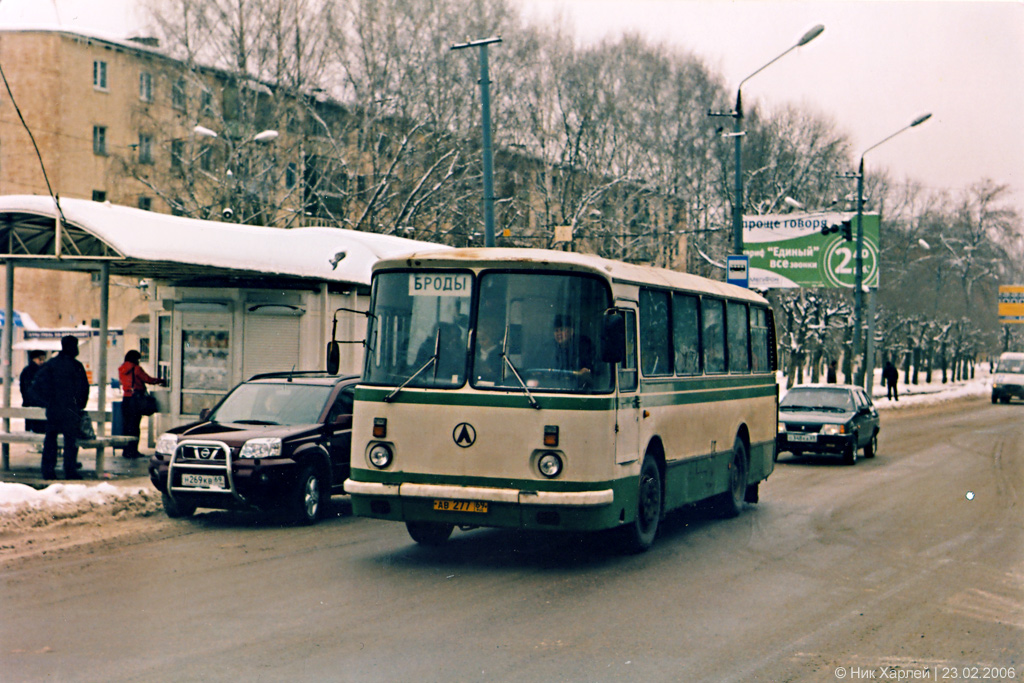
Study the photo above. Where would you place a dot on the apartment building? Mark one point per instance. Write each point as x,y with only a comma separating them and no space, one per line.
120,121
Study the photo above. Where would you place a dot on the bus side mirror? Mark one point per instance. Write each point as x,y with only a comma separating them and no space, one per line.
613,337
333,357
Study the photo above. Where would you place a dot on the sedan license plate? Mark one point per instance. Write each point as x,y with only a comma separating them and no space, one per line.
202,481
803,438
460,506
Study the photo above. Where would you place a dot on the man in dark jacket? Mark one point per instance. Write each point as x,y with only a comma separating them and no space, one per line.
28,399
62,386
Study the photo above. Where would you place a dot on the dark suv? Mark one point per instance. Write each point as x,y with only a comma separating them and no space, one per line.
276,441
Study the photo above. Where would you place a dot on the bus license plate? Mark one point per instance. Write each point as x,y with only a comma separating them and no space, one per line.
803,438
460,506
202,481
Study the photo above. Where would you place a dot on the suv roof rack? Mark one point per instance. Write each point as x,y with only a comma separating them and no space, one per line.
288,374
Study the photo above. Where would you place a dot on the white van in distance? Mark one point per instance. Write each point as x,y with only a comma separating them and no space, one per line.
1008,377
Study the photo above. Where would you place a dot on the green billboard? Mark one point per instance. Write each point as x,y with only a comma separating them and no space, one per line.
809,250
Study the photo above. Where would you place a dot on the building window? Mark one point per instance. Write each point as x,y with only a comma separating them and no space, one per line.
99,140
177,153
145,148
206,103
178,94
99,75
206,158
146,86
99,196
145,203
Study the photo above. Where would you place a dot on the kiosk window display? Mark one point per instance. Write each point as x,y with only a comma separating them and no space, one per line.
205,368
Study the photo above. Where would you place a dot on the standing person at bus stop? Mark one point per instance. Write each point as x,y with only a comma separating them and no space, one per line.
133,388
62,386
36,359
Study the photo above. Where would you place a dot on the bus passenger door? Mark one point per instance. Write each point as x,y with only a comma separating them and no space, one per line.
627,417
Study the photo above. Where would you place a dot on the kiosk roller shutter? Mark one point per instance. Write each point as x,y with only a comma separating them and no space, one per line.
270,344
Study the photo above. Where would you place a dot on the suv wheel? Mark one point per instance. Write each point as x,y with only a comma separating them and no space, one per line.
176,509
309,498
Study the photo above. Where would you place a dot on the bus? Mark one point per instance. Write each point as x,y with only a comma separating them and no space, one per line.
536,389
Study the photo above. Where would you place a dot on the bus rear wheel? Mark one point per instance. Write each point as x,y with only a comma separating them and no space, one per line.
639,535
429,533
730,503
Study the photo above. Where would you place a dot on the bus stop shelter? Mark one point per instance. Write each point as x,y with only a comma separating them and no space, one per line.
178,253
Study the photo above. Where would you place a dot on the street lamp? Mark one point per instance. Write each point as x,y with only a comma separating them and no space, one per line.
737,134
263,137
867,380
485,118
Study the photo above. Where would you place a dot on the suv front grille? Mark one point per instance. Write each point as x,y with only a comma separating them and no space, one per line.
203,453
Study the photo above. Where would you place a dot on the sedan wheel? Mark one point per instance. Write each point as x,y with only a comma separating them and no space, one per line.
872,447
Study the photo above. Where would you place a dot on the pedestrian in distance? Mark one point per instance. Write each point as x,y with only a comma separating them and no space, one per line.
890,377
831,376
28,399
62,386
133,389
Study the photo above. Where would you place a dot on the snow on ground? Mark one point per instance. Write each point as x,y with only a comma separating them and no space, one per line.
13,496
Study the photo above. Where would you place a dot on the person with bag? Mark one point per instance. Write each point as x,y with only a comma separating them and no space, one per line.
62,386
137,401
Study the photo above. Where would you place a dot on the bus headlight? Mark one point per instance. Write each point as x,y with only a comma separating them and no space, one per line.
380,456
550,465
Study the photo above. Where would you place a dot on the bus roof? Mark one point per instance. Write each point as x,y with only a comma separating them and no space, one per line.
541,258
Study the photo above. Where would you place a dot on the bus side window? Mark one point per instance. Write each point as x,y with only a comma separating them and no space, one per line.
686,334
627,369
713,334
738,329
759,339
655,341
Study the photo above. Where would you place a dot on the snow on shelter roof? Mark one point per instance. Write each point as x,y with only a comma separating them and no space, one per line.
147,244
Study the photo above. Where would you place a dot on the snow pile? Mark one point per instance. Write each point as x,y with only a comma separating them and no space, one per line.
14,496
24,507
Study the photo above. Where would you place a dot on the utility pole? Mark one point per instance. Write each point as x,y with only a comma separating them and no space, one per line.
485,114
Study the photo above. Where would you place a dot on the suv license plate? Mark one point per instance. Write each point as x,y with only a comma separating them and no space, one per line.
202,481
804,438
460,506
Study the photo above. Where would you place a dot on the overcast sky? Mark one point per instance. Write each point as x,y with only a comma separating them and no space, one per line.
878,65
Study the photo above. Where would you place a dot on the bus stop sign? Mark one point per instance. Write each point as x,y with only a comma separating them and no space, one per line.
738,270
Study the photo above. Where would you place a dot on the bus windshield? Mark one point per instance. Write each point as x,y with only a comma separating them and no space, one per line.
533,331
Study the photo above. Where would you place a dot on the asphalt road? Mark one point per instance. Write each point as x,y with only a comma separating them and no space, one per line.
911,564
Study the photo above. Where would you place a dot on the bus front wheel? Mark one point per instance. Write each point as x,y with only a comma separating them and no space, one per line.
429,533
639,535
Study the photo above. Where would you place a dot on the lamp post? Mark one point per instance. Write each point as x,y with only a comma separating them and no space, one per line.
858,293
737,133
485,116
263,137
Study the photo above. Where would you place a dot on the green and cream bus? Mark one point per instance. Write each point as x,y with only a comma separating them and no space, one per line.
535,389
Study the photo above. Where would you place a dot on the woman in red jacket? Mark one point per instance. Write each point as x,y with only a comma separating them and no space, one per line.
133,386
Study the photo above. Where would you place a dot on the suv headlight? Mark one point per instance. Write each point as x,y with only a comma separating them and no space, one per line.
261,448
833,430
166,444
